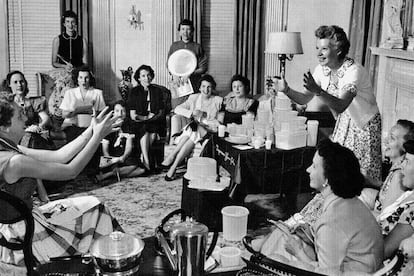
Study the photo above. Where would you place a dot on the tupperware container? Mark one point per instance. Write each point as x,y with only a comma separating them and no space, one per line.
290,140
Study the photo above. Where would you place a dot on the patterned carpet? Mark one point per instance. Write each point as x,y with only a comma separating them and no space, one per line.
138,203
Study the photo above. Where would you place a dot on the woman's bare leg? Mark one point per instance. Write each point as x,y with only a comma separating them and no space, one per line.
41,191
170,158
131,171
185,151
145,144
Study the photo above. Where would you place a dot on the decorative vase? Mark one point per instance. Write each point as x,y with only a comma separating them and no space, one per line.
125,84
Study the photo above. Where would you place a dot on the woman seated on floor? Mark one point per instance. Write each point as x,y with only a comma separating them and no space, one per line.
346,237
203,108
146,107
118,148
237,102
37,134
20,166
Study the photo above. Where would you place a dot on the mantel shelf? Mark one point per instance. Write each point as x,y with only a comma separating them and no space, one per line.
394,53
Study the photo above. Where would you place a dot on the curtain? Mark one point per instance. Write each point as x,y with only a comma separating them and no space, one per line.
364,32
248,42
192,10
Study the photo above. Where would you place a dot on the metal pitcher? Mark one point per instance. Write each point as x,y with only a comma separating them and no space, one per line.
189,243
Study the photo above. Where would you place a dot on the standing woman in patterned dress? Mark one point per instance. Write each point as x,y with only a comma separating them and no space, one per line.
344,86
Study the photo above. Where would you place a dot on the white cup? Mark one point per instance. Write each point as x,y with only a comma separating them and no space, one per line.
84,120
221,130
312,132
234,222
230,256
268,144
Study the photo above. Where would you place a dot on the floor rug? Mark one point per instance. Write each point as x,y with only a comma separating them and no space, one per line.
138,203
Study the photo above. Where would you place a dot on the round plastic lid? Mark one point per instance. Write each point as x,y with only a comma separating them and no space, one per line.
182,62
117,245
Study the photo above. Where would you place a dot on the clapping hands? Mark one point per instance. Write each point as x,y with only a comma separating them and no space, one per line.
310,84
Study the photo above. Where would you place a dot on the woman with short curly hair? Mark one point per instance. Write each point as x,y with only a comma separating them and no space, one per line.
344,86
21,166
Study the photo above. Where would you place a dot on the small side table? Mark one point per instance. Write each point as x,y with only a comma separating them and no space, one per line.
204,206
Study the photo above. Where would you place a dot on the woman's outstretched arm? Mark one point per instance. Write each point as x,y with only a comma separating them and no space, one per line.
68,151
26,166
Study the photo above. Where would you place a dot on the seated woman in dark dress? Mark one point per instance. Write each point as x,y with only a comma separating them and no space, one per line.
146,109
119,148
237,102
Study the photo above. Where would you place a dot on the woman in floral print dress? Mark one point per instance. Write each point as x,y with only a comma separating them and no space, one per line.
397,220
344,86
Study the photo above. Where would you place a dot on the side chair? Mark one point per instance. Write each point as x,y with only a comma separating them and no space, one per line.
13,210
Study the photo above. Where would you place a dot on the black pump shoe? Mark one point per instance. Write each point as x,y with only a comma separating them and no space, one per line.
168,179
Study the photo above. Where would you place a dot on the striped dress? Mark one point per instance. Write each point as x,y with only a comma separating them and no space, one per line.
52,237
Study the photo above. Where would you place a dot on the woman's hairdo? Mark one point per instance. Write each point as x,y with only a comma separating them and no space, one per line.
209,79
83,68
186,22
337,36
146,68
341,169
6,108
120,102
409,126
69,14
7,82
245,81
409,146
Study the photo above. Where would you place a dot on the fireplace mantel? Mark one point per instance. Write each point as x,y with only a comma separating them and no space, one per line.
393,53
395,85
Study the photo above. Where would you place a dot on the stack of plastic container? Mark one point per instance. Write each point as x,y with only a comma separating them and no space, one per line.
290,129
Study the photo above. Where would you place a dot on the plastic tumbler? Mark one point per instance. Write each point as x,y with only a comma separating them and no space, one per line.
234,222
312,132
221,130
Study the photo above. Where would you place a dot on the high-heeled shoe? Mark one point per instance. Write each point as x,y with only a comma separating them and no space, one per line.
168,178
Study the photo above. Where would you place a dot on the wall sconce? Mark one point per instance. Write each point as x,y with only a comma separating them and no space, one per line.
134,19
285,44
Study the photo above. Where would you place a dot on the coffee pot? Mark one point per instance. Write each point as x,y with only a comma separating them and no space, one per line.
185,246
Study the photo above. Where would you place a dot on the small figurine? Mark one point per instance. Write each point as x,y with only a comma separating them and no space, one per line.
125,84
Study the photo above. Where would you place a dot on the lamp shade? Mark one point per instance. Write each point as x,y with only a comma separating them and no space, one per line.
284,43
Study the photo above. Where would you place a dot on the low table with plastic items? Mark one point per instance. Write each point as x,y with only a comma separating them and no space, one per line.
151,264
261,171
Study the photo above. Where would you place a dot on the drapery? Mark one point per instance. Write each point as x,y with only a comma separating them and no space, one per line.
248,42
365,31
192,10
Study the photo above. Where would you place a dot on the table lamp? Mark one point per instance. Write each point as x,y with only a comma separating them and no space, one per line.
285,44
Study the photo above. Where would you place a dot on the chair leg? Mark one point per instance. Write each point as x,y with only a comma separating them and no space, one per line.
118,175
